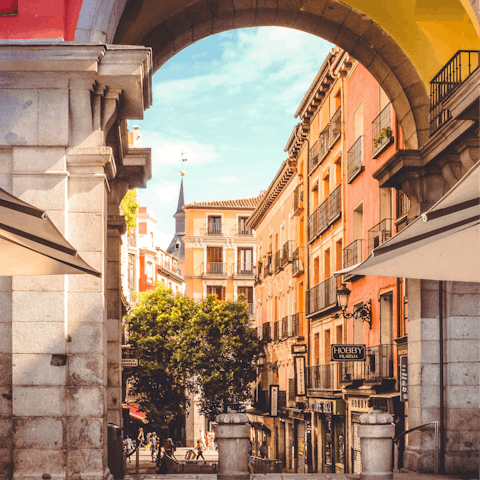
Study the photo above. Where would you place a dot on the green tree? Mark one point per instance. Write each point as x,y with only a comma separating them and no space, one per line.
130,206
156,323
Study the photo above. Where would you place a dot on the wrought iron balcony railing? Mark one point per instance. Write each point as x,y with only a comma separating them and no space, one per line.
245,269
382,133
278,261
322,377
313,155
297,262
298,199
244,231
287,253
328,211
355,159
215,268
335,204
335,126
284,328
352,254
379,364
294,330
448,79
214,229
322,296
379,234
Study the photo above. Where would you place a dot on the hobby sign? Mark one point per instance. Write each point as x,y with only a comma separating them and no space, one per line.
348,352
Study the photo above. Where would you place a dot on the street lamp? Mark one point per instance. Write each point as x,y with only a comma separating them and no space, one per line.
364,312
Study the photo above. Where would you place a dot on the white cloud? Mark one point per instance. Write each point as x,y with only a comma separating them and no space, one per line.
226,179
163,239
167,192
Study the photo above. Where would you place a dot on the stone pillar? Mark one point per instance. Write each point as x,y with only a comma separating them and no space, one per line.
53,329
232,436
376,432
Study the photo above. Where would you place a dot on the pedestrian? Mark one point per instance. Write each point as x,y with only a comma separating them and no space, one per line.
153,445
263,450
200,449
140,438
250,458
168,447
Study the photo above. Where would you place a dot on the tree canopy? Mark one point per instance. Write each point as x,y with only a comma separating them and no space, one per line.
208,348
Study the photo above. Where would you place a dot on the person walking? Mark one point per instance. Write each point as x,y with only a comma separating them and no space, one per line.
153,446
263,450
140,438
200,449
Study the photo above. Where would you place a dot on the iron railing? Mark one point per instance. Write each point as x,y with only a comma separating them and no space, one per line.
298,199
278,261
313,155
287,253
214,229
215,268
322,377
379,234
324,143
335,126
244,231
379,365
275,331
322,296
355,159
447,80
297,262
382,134
244,268
353,253
295,325
335,204
328,211
284,328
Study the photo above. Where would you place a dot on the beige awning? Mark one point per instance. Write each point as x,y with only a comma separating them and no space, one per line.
441,244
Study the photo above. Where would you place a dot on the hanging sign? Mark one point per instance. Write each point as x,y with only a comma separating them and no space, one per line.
300,376
348,353
274,400
129,362
404,379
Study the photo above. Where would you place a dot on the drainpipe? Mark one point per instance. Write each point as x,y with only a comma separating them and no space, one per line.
307,250
442,399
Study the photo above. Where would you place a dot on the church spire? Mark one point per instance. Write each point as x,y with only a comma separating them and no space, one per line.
181,198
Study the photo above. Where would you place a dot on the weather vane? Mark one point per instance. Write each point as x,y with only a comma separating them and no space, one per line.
183,159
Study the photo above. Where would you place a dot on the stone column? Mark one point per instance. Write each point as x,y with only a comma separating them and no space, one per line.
57,155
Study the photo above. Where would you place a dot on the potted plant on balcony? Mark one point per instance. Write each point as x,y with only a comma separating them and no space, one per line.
385,133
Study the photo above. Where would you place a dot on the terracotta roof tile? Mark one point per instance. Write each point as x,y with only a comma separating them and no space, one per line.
250,202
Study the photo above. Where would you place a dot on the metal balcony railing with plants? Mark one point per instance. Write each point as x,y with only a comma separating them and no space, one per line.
287,253
294,330
278,261
379,234
313,157
379,365
245,269
322,377
284,328
298,199
352,254
382,134
266,332
335,126
355,159
328,211
275,331
324,144
214,229
460,67
297,262
244,231
322,296
215,268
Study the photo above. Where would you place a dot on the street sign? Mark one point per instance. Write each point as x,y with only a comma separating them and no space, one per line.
299,348
274,400
299,376
403,379
129,362
348,353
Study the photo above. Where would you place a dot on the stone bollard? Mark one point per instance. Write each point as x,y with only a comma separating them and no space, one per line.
376,432
232,436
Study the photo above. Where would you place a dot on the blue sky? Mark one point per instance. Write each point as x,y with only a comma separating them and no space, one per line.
229,102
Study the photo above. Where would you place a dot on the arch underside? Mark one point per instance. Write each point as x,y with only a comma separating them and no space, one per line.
170,26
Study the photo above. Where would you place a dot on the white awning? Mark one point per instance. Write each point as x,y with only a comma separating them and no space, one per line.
441,244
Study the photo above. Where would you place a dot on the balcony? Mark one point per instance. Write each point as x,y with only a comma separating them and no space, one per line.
322,377
335,126
284,328
266,332
313,154
268,266
355,160
379,365
379,234
322,296
352,254
298,200
275,331
213,229
382,135
287,253
215,269
245,269
297,262
294,330
329,210
244,231
457,70
278,261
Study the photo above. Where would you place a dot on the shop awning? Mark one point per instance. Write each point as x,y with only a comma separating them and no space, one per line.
441,244
135,413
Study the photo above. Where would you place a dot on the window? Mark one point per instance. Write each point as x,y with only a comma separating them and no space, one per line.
338,171
358,122
242,227
216,290
149,272
338,255
247,292
142,228
386,319
316,271
214,225
357,326
358,222
214,260
326,186
327,346
385,203
245,261
315,196
339,335
327,264
316,349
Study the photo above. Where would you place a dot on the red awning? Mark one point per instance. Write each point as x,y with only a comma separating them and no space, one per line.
135,413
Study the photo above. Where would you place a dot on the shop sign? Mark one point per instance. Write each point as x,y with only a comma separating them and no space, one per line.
403,379
129,362
348,353
323,407
359,404
299,363
274,400
300,348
